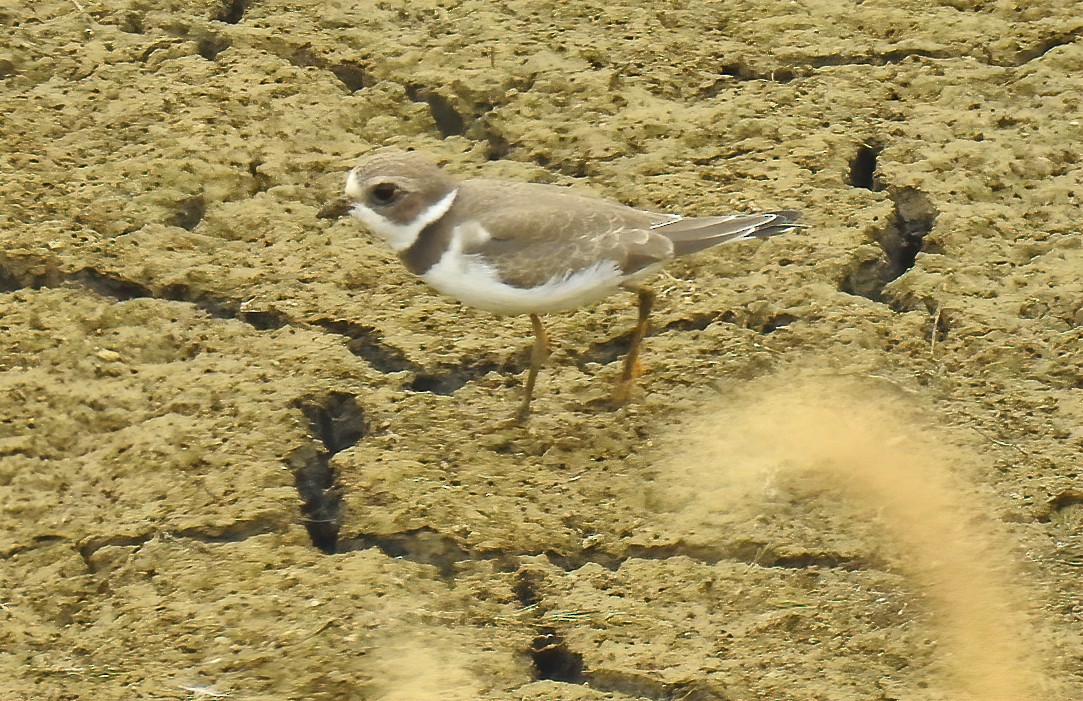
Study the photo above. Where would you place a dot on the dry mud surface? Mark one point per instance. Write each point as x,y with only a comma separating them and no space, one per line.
244,455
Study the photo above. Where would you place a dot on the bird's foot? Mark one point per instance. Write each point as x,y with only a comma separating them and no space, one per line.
622,393
521,417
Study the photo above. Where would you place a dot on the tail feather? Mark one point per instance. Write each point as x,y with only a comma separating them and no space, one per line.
699,233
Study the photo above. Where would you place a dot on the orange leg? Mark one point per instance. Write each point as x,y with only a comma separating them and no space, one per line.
623,392
537,357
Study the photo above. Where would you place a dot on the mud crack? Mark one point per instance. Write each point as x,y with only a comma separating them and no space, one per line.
553,660
366,343
233,533
900,241
448,379
612,349
41,274
427,546
447,118
443,379
744,71
1064,500
336,422
352,74
863,167
1040,49
231,11
642,686
363,341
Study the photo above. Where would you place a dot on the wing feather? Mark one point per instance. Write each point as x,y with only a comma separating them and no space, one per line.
699,233
540,232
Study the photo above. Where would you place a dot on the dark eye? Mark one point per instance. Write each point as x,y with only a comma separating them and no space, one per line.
384,193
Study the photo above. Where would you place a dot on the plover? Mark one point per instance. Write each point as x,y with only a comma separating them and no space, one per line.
516,248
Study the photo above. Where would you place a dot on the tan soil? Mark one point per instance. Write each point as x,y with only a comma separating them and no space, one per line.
244,455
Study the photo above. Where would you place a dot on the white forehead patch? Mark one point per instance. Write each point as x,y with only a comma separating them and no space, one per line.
353,186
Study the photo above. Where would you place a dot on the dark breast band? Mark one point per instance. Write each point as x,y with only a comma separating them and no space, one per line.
429,247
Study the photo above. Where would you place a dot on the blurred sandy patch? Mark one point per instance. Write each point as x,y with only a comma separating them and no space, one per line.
802,435
430,664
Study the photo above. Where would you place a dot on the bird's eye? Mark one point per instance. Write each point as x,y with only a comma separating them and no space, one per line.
385,193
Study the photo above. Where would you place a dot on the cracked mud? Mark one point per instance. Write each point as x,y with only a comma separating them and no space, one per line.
243,454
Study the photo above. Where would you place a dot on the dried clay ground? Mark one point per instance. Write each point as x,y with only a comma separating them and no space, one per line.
244,455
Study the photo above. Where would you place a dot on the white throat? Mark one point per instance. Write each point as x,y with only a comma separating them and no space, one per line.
402,236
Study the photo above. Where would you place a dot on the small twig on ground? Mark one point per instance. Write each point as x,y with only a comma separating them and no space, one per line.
936,329
988,437
86,15
327,624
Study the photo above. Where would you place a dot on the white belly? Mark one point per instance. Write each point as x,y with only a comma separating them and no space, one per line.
475,284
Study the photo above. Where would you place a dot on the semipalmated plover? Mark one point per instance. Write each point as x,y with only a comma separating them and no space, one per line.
527,248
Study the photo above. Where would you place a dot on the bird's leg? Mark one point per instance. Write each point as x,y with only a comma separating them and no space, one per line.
537,357
623,391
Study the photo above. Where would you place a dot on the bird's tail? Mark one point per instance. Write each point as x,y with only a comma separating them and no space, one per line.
699,233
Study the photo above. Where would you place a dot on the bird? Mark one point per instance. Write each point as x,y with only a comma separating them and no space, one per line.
522,248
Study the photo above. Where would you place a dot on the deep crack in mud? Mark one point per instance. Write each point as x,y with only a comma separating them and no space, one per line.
338,423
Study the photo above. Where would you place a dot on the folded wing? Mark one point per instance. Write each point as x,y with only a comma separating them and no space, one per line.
700,233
